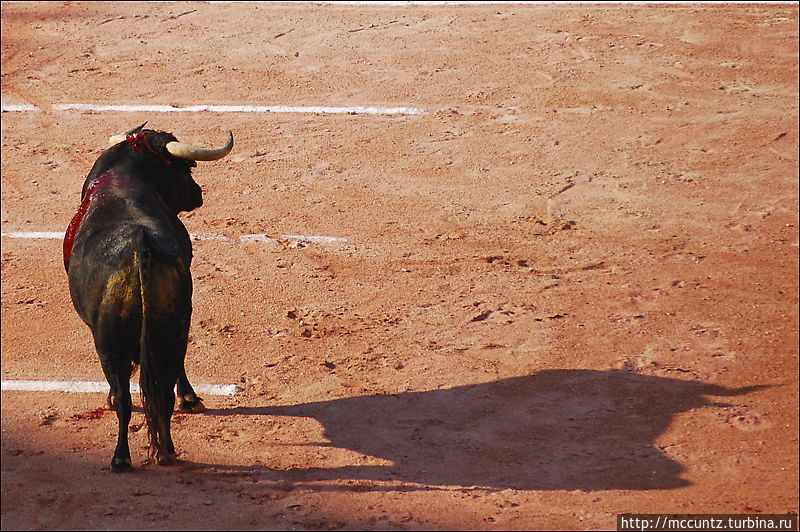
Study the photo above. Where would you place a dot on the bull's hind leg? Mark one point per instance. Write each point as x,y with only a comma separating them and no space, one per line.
164,451
188,401
118,376
157,379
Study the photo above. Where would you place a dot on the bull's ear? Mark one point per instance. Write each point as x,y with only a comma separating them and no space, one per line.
116,139
193,153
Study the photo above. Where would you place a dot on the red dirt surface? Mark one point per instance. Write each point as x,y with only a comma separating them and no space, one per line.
569,289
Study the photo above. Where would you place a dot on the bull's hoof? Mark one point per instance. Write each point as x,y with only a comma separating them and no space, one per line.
190,404
167,459
119,465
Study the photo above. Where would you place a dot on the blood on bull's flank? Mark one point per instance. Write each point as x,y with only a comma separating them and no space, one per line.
128,257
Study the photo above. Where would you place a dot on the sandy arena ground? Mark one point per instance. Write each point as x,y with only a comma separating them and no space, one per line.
568,290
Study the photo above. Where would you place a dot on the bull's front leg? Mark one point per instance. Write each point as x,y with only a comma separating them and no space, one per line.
122,454
110,399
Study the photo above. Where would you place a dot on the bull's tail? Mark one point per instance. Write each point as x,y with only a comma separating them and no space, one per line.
158,398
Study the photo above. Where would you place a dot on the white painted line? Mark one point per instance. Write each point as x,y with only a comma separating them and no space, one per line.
35,234
102,387
208,236
316,239
423,3
353,110
217,389
17,107
54,386
258,237
434,3
313,109
255,237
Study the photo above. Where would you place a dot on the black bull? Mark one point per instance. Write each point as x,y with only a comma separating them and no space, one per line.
127,256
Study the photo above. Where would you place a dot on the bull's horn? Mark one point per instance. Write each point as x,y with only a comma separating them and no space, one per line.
187,151
116,139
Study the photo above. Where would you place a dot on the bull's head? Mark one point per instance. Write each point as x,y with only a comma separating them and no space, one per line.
169,162
179,149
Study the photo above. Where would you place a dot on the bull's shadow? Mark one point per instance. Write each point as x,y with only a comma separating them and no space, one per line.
556,429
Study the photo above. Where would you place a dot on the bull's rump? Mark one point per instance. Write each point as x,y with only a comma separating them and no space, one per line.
106,275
